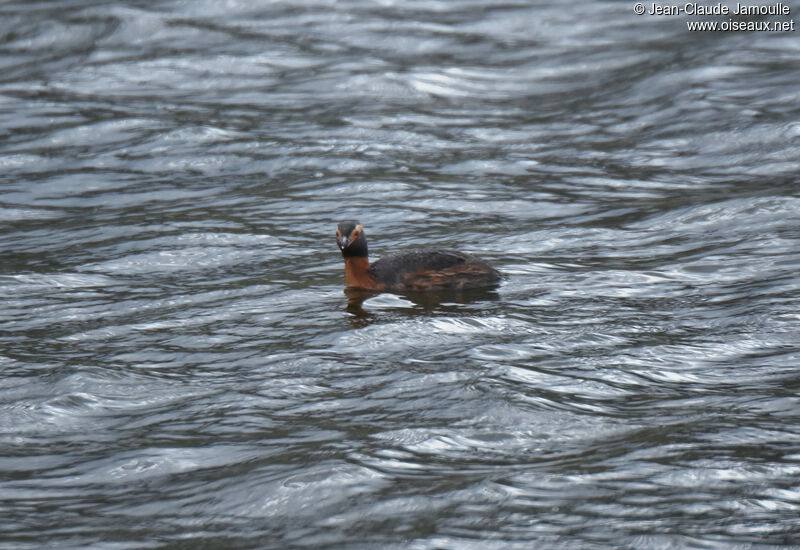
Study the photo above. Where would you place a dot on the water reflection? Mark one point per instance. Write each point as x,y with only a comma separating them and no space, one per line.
355,300
426,301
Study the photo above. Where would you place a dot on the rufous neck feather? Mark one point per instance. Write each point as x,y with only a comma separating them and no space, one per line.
356,274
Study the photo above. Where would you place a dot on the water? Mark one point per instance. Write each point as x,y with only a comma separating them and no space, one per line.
181,368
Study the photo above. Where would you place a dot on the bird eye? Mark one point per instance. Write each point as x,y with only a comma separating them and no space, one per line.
354,235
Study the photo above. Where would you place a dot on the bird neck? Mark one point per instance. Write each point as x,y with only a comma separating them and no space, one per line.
356,273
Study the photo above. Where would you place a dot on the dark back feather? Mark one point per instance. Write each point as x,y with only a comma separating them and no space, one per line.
391,269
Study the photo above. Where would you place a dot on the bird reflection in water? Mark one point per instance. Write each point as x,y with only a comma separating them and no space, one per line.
425,302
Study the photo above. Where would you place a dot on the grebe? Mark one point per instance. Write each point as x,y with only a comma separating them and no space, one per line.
412,270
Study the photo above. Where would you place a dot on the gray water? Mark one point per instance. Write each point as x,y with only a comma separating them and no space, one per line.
180,366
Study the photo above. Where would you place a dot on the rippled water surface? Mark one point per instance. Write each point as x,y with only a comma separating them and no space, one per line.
180,365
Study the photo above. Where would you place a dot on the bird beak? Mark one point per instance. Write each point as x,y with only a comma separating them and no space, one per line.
343,242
